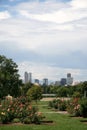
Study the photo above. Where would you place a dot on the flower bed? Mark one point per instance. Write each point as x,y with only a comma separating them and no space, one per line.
19,110
75,107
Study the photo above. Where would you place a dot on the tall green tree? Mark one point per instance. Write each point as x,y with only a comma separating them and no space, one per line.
9,77
35,93
84,88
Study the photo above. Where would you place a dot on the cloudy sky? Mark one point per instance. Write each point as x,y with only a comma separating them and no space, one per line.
45,37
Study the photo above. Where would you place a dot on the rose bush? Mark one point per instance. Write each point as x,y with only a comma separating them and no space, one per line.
58,104
19,108
73,107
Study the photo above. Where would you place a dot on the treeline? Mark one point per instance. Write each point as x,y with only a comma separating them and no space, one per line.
68,91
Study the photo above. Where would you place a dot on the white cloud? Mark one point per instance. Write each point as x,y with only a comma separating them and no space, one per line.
4,15
30,35
61,16
79,4
67,13
40,7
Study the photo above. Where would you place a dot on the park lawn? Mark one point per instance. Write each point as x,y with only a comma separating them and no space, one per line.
60,122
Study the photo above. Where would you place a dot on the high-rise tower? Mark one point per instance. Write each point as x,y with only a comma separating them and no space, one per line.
69,79
30,77
25,77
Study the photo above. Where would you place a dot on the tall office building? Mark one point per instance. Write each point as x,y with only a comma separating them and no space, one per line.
25,77
63,81
45,82
68,74
30,77
69,79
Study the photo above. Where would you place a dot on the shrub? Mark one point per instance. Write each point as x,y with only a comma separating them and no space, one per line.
83,108
16,120
73,107
26,120
62,105
58,104
54,104
19,108
4,117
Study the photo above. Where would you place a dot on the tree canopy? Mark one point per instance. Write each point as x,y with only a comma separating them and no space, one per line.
35,93
9,77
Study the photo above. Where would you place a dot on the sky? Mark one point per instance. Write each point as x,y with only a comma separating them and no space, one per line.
45,37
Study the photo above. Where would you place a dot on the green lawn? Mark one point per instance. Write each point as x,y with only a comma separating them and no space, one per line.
60,122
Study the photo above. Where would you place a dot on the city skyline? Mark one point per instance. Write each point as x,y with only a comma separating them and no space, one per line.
45,37
67,80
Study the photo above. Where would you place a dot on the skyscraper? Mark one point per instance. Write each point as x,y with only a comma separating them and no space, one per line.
68,74
30,77
25,77
45,82
69,79
63,81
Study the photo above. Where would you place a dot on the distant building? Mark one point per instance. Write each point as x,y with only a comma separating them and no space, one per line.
45,82
63,81
68,74
69,79
36,81
30,77
25,77
57,83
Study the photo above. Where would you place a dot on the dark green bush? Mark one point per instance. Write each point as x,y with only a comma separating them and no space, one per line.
27,120
58,104
16,120
83,107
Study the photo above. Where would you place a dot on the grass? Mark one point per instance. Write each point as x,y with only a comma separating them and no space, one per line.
61,122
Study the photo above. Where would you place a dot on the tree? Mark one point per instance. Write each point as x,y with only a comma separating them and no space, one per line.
35,93
84,89
62,92
9,78
26,87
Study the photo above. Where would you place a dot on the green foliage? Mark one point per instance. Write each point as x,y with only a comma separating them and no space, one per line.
62,92
26,87
16,120
84,88
77,106
26,120
58,104
83,107
76,95
68,91
35,93
19,108
9,78
60,122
